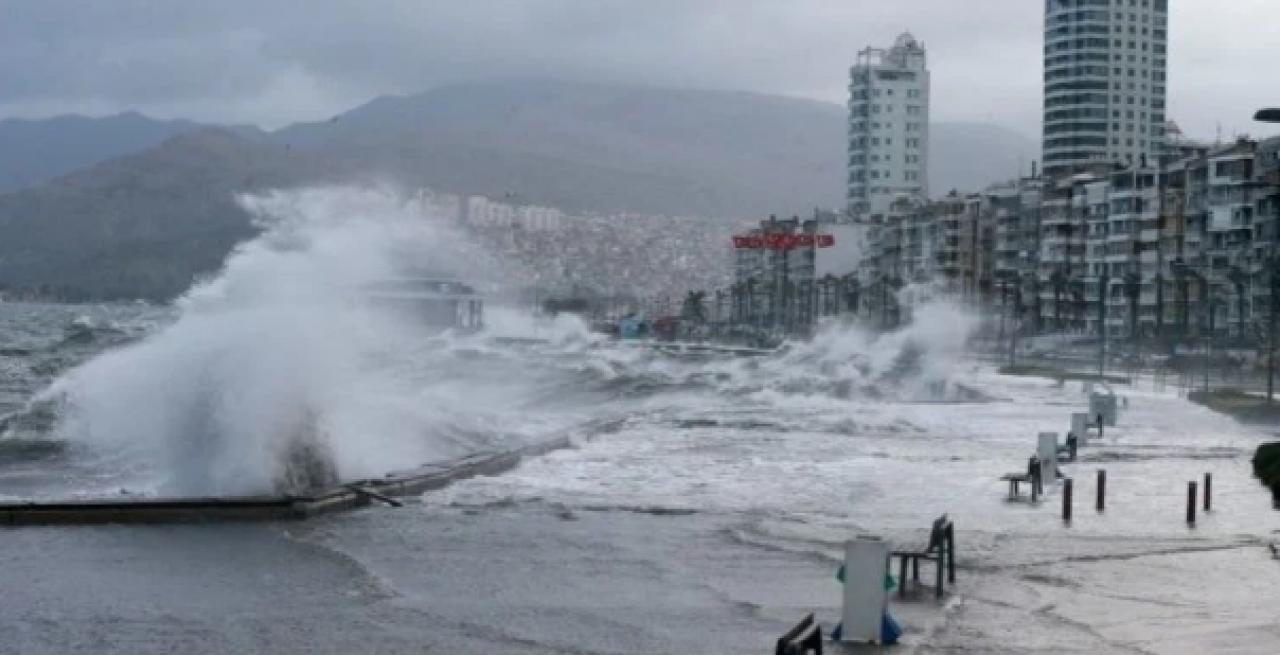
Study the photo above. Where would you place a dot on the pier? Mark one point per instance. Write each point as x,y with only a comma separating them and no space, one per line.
344,497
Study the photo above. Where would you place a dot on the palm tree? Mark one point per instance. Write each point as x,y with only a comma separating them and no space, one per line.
1035,301
895,285
694,309
1159,304
832,285
1076,286
853,293
1180,272
1058,280
1133,289
1240,280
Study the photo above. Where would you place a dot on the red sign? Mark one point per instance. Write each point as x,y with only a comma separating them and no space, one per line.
782,241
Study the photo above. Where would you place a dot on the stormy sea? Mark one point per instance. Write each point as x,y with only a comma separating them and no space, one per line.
701,507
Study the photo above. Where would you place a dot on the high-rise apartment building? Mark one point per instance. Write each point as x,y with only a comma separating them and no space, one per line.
1105,65
888,126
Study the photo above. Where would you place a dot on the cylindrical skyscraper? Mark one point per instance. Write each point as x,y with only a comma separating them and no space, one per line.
1104,83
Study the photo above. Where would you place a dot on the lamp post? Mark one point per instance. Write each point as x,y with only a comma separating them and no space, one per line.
1271,115
1184,272
1180,273
1009,280
1103,283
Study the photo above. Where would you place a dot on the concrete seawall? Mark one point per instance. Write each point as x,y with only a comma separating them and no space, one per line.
347,496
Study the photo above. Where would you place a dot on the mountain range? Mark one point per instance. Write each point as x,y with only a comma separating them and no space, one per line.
131,207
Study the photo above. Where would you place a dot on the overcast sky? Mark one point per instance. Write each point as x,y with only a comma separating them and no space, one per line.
271,62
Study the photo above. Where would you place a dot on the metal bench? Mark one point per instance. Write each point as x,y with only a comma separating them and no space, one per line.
1032,477
941,550
803,639
1071,447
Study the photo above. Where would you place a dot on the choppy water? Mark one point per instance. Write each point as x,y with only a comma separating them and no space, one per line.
718,489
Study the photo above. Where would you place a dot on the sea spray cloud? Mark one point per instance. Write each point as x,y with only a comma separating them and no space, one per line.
275,355
843,358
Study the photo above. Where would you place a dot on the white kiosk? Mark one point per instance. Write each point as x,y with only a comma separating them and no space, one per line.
866,565
1080,427
1047,451
1104,405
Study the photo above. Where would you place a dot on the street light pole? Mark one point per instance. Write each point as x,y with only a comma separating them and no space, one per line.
1274,274
1272,115
1208,344
1102,324
1017,323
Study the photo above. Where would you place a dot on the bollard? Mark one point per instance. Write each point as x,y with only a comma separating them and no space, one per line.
1208,489
1191,503
951,553
1066,499
939,570
1102,490
1033,471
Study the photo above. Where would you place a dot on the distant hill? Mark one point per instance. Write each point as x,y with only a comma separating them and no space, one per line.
605,147
35,151
598,146
142,225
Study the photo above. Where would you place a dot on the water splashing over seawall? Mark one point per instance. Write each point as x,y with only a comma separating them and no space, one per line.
278,373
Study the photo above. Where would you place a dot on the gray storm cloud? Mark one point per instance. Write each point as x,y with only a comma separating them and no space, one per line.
272,62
